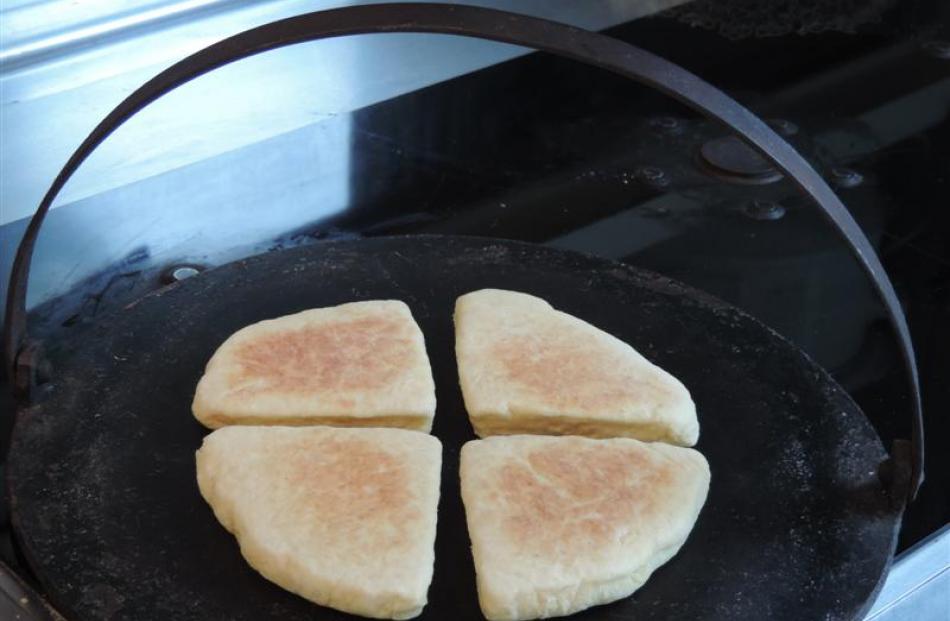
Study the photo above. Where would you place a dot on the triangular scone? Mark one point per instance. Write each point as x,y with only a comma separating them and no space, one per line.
361,364
343,517
528,368
559,524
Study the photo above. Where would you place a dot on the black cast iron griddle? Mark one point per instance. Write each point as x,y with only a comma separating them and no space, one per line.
102,471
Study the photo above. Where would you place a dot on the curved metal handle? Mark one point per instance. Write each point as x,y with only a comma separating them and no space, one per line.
575,43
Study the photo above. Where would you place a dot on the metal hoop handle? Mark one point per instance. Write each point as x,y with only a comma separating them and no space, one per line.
588,47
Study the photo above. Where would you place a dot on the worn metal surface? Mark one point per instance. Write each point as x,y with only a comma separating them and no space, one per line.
605,52
918,585
106,508
19,602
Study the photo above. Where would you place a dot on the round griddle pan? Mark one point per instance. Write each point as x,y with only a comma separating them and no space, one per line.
797,525
804,506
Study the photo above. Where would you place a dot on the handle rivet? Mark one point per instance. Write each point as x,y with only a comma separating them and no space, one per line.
731,160
846,178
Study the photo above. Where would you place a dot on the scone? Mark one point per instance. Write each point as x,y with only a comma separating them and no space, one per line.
343,517
525,367
559,524
361,364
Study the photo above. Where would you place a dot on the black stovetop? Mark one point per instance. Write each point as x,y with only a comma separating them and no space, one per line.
544,150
